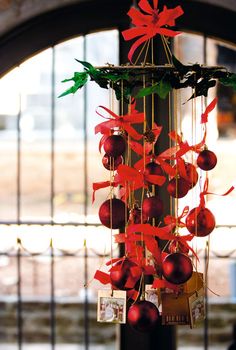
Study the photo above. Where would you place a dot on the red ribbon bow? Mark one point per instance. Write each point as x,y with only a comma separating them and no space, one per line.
136,178
173,220
150,23
122,122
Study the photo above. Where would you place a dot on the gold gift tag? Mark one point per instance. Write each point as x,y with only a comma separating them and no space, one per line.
175,309
197,307
194,283
111,306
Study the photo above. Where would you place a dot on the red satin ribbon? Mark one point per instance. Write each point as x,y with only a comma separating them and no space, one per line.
102,184
102,277
150,23
209,108
159,283
136,178
168,219
122,122
205,192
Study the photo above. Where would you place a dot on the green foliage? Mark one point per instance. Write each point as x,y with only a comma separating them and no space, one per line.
162,88
80,79
229,80
129,82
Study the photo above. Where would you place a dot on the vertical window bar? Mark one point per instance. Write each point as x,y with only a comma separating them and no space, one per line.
52,190
18,219
206,319
86,302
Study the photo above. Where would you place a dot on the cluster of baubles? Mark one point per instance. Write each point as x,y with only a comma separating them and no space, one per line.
176,266
114,212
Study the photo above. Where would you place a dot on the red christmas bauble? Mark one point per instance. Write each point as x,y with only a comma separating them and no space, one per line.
177,268
114,145
176,246
143,316
111,163
152,207
124,278
206,160
178,188
192,174
119,212
153,168
200,222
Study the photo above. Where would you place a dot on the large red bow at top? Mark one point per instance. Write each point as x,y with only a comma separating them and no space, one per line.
150,24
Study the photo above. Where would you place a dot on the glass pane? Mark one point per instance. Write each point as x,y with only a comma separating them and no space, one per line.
9,110
69,136
100,48
36,75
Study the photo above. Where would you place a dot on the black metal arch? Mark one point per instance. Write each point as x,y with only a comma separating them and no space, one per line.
52,27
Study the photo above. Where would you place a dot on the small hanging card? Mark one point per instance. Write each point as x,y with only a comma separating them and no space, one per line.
111,306
175,309
153,295
197,307
194,284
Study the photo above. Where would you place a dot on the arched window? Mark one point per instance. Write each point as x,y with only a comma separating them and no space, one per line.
48,149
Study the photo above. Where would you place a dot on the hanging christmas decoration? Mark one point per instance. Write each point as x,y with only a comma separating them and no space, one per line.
151,229
143,316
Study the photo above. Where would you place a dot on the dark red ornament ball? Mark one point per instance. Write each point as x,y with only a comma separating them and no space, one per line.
113,213
178,188
111,163
206,160
124,278
143,316
152,207
192,174
177,268
114,145
200,222
153,168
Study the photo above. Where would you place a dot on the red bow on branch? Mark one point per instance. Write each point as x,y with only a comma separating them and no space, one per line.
136,178
150,23
122,122
173,220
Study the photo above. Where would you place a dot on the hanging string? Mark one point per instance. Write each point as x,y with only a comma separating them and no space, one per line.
111,166
146,53
170,143
176,144
141,51
166,49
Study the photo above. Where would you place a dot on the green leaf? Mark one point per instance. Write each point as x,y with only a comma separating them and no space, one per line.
87,65
162,88
80,80
147,91
230,80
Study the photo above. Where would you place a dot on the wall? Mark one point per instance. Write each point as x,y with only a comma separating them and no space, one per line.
70,321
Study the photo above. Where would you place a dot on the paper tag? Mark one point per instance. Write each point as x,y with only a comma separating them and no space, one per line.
111,306
175,309
152,295
197,307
